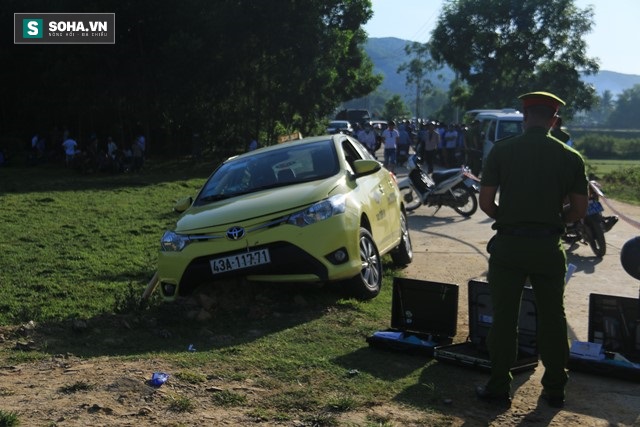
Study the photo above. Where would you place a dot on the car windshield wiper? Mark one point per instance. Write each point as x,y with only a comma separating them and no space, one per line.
215,198
267,186
218,197
223,196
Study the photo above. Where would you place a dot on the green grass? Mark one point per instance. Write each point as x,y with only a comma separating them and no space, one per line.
181,404
75,246
620,179
605,167
78,252
9,419
76,387
72,243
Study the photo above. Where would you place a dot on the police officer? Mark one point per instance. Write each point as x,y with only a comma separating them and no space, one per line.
535,175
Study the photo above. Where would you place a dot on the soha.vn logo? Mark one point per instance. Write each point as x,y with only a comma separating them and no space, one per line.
32,28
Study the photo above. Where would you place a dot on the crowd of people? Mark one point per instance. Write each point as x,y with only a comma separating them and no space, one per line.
94,155
448,145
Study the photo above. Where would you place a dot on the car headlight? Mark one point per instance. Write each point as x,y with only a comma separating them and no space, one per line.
320,211
173,242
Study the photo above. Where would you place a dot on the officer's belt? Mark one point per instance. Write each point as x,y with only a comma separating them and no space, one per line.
529,232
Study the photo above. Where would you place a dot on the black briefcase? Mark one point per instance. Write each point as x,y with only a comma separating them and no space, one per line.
613,348
424,314
474,353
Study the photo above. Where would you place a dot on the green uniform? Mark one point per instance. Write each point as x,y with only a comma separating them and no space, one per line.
534,172
560,134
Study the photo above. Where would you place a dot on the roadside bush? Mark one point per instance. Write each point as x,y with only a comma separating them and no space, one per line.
623,184
608,147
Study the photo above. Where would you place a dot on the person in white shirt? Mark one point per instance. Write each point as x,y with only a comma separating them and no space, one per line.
367,137
391,138
70,146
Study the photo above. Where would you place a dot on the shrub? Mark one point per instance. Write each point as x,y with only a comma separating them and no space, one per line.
597,146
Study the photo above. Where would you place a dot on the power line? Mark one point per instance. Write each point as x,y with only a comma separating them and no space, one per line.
424,28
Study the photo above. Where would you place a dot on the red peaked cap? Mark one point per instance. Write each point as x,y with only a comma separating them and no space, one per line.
541,98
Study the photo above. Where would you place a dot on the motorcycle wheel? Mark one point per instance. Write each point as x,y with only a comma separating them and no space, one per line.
466,203
411,198
595,235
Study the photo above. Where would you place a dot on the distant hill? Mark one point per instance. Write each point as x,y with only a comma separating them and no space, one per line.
612,81
388,54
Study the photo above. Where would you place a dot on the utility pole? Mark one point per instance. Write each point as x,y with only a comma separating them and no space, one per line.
418,99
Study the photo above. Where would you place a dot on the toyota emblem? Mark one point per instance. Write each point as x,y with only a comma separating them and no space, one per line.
235,233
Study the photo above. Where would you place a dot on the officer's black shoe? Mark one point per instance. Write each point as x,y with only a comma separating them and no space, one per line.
553,401
500,399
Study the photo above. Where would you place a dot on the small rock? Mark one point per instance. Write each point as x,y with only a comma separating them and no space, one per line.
26,328
353,372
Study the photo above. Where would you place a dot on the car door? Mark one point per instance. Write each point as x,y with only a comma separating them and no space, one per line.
490,137
376,194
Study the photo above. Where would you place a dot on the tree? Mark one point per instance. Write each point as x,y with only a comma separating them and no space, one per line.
627,110
605,106
395,108
502,48
225,69
451,110
417,70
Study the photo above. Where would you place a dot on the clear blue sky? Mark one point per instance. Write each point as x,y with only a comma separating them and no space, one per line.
614,38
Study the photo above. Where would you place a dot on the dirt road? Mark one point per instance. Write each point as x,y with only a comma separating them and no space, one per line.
451,249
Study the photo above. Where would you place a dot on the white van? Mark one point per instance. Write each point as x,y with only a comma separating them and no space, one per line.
497,124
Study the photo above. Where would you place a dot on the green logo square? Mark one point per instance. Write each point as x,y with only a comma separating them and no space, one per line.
32,28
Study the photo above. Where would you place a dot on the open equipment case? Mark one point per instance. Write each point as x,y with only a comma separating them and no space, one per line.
474,353
424,314
613,348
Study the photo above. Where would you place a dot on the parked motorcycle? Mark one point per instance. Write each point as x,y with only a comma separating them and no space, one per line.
590,230
455,188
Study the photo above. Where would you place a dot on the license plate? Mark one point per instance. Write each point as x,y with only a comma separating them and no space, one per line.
240,261
594,208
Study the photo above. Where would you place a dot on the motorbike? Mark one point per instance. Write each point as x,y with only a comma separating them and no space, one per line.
590,229
455,188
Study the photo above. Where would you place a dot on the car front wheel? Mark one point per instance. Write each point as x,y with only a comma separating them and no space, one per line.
366,285
403,253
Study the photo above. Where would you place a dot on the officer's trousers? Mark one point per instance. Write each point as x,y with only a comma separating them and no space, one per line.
543,261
